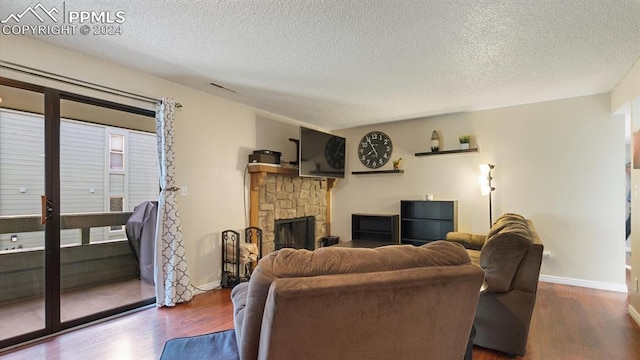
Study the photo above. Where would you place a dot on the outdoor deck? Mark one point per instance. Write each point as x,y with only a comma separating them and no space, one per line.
25,316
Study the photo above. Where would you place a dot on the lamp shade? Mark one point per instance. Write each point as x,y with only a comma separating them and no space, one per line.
485,179
485,186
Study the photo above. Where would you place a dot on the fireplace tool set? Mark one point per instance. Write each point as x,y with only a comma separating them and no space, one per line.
240,257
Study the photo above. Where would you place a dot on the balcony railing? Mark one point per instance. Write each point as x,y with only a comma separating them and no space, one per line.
91,264
84,222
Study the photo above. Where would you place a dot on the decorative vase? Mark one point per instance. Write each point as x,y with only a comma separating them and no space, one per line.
435,141
464,146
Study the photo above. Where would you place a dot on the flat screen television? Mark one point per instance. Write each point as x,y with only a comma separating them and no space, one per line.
321,154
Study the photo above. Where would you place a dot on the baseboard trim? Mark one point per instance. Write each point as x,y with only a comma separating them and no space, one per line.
634,315
585,283
199,289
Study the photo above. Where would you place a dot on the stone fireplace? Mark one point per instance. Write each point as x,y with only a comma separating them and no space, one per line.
280,194
298,233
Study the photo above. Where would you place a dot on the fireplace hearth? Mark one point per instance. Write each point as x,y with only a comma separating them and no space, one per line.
298,233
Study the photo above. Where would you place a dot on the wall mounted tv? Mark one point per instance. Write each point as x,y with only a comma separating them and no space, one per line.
321,154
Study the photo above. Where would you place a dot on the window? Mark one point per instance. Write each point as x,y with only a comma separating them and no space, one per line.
116,152
116,204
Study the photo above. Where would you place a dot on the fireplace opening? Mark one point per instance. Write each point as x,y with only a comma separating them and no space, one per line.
298,233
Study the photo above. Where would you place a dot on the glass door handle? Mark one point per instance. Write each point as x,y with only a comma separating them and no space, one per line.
47,210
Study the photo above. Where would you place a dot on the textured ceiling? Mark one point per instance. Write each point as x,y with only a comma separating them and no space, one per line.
341,63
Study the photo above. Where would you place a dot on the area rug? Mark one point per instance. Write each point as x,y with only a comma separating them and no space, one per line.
215,346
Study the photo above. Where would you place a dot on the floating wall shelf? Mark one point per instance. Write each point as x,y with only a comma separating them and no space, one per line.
446,152
377,172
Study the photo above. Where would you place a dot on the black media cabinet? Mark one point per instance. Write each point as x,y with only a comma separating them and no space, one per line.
426,221
373,230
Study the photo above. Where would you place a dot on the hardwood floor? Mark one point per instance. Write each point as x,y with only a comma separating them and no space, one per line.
568,323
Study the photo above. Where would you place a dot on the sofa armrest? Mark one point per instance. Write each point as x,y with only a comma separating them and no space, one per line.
239,301
502,254
469,241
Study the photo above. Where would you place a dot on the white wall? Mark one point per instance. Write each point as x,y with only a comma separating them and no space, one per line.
560,163
213,139
627,90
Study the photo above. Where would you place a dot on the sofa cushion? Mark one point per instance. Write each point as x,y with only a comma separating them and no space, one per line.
291,263
504,220
503,251
297,263
475,256
469,241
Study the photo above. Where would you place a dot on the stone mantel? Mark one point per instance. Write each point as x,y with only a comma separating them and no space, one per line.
273,186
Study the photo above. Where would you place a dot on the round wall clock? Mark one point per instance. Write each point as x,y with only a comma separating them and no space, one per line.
334,152
375,149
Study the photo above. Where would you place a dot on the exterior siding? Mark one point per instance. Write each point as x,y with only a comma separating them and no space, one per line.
21,167
82,169
144,171
86,182
21,163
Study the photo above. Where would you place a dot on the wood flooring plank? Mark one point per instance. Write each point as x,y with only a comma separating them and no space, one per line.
568,323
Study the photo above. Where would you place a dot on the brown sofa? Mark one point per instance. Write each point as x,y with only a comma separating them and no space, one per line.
393,302
511,255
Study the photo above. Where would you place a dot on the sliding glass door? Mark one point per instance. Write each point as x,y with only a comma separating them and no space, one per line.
105,170
22,236
72,169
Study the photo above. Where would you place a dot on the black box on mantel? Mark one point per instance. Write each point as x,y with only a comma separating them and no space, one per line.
265,156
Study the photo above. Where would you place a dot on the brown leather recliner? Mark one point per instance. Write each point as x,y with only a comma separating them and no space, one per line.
511,256
392,302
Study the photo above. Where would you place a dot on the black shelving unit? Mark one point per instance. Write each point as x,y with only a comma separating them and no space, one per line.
422,222
377,172
375,227
443,152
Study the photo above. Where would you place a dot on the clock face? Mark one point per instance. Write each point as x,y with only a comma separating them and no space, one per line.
334,152
375,149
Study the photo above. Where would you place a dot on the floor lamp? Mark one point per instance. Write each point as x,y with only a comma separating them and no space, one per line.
485,186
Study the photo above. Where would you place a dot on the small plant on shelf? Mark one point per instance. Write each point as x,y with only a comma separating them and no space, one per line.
464,141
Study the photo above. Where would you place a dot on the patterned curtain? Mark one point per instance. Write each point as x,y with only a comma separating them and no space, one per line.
171,273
